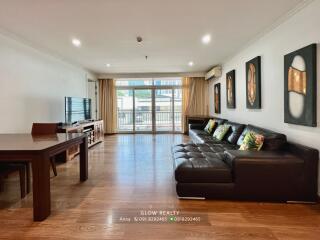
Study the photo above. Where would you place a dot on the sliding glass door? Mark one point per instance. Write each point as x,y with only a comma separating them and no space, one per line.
143,110
164,110
125,110
148,105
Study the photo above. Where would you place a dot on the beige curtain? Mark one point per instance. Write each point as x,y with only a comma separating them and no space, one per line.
195,94
108,104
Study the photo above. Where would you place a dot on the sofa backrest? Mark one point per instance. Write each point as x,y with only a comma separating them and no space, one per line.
234,132
219,120
272,140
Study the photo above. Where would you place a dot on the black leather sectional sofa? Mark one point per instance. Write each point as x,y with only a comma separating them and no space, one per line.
280,171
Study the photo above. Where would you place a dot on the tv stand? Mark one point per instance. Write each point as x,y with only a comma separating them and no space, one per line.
93,129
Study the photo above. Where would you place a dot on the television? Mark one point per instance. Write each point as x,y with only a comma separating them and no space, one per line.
77,109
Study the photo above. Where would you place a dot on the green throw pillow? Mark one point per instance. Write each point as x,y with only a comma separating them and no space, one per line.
210,126
221,131
252,141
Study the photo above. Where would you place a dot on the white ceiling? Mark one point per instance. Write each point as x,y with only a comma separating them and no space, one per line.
171,29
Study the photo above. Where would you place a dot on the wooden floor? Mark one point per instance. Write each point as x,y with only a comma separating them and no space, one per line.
131,173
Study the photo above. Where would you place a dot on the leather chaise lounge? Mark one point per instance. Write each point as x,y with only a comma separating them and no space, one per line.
213,169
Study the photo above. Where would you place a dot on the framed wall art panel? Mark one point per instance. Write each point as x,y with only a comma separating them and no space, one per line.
300,86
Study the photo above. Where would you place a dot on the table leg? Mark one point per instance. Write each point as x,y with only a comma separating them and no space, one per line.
84,159
28,176
41,187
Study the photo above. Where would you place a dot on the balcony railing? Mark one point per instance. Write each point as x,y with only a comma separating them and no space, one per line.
143,120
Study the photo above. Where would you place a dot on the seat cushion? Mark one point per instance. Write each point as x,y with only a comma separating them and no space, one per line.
190,148
204,148
196,135
201,163
201,168
208,138
228,146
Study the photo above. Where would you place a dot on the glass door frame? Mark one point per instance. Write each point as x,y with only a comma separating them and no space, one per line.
153,103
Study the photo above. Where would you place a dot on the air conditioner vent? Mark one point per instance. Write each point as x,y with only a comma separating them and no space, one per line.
215,72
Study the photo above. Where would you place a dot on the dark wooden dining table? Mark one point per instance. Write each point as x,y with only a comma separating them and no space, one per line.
38,149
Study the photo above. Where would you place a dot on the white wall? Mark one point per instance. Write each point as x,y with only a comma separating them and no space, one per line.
33,86
300,30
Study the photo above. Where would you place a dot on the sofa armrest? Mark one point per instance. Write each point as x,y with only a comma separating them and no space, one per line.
311,165
198,126
264,167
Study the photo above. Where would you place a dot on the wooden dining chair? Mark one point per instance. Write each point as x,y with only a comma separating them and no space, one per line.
7,168
43,129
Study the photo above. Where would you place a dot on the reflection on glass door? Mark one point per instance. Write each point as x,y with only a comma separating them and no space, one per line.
125,110
143,110
164,110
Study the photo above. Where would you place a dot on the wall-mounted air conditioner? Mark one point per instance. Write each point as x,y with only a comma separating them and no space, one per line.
215,72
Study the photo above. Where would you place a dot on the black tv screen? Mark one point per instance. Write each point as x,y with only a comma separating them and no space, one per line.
77,109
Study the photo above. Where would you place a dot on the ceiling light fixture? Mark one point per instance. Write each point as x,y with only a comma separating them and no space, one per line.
206,39
139,39
76,42
108,65
190,63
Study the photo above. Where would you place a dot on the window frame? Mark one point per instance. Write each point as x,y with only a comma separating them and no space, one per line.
153,88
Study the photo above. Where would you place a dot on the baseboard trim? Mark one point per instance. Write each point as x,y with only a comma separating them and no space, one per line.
192,198
301,202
